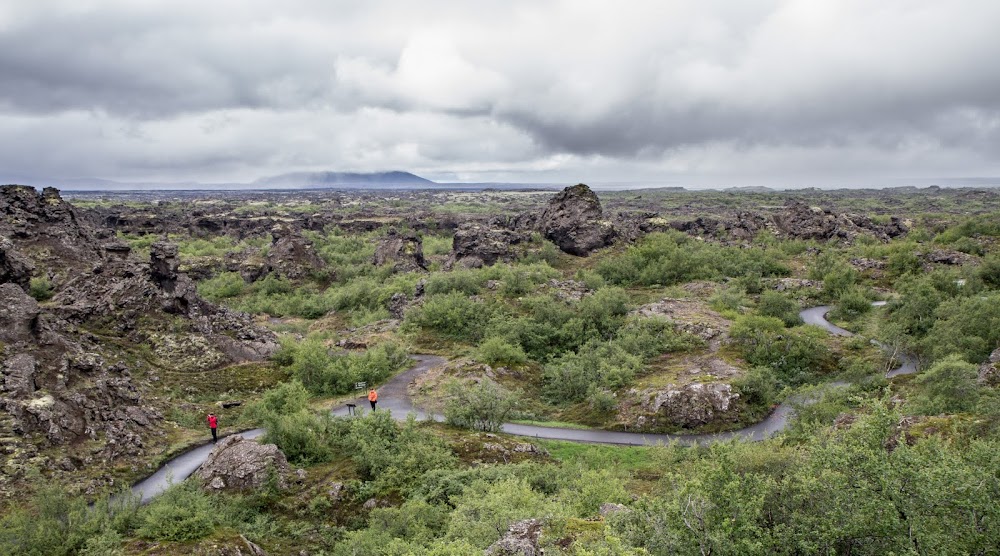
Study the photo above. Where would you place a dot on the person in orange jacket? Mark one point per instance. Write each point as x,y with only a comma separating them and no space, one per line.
373,398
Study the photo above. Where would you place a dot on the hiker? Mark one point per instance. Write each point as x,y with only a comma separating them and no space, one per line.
213,422
373,397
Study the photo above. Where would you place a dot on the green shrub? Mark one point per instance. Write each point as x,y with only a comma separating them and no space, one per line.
325,374
222,286
466,281
775,304
51,522
484,511
989,271
483,407
569,377
182,513
758,387
305,437
969,327
852,303
796,357
395,457
673,258
40,288
498,351
452,315
730,298
948,386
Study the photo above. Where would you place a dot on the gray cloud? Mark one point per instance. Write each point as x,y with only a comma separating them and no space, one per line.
760,91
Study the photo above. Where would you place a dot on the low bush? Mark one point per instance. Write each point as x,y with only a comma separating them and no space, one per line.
40,288
775,304
498,351
182,513
483,407
323,373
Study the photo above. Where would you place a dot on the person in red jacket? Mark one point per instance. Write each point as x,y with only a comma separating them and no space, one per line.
213,423
373,398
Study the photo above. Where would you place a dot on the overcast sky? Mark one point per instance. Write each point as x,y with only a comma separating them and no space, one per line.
699,92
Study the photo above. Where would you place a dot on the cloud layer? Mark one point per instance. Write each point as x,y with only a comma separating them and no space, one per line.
845,92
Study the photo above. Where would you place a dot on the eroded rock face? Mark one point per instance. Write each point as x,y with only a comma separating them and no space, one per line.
292,255
694,404
405,252
741,225
64,385
241,464
989,371
15,268
574,221
521,539
18,314
948,257
801,221
476,244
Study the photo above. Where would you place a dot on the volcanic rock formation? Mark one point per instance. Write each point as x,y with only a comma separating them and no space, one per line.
404,251
241,464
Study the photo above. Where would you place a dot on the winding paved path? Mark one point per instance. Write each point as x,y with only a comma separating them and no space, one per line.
393,397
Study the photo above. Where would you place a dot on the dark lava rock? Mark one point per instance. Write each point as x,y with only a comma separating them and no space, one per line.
477,244
800,221
66,385
14,267
241,464
292,255
18,314
948,257
404,251
573,220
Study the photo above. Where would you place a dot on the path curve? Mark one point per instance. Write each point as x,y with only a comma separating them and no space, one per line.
393,396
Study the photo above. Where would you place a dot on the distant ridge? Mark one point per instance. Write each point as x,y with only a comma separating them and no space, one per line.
327,179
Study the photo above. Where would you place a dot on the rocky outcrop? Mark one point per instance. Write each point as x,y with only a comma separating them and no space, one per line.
404,251
476,244
63,383
292,255
989,371
800,221
574,221
948,257
521,539
18,314
241,464
741,225
15,268
694,404
54,385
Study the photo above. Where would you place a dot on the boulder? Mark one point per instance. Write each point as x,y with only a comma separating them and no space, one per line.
476,244
19,375
292,255
574,221
521,539
800,221
610,508
18,314
693,404
948,257
163,264
238,463
989,371
404,251
14,267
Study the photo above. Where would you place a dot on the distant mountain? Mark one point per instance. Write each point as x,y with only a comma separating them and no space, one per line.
330,179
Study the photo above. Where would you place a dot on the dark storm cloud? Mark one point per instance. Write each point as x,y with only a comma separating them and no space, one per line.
760,88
